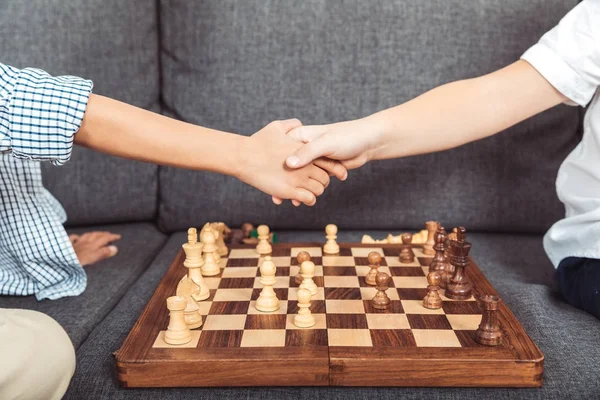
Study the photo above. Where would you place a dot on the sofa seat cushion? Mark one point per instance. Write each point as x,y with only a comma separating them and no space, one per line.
108,280
515,265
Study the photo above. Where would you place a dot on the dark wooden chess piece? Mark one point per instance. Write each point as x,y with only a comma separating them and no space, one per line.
489,332
301,257
407,255
459,287
374,261
239,236
432,299
381,301
439,263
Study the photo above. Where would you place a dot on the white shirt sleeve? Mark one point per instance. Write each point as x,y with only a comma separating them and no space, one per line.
568,56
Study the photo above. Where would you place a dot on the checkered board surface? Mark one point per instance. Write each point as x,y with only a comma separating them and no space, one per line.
342,308
351,344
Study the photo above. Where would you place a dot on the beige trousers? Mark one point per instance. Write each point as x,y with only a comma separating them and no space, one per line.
37,358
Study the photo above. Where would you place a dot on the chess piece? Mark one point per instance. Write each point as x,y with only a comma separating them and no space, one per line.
263,246
304,318
210,267
439,263
459,287
301,257
407,255
381,301
237,236
331,246
267,300
489,332
191,313
194,262
222,230
307,269
177,332
209,227
432,227
374,261
432,299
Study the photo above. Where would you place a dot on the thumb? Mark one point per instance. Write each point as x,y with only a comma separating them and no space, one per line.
289,124
307,153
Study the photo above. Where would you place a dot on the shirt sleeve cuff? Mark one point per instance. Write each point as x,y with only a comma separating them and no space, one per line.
45,113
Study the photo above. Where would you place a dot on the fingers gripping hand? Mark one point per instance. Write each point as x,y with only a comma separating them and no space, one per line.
92,247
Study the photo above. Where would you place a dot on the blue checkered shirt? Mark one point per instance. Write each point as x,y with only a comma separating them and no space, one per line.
39,115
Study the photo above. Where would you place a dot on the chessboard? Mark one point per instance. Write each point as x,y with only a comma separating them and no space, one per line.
351,344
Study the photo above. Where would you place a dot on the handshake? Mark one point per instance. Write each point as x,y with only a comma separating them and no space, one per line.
290,161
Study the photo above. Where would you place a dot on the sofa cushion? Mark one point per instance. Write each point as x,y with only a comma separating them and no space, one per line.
515,265
108,280
236,66
114,43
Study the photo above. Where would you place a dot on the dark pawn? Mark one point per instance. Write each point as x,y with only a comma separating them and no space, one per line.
407,255
439,263
381,301
459,287
301,257
489,332
374,261
432,299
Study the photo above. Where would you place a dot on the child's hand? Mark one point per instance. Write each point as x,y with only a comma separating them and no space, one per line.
263,165
92,247
352,143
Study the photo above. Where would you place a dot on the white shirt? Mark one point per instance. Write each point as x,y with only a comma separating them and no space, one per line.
568,56
39,115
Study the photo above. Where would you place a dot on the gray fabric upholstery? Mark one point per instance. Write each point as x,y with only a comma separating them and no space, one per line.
236,66
107,281
114,43
516,266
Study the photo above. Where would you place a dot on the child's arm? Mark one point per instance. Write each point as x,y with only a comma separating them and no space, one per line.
444,117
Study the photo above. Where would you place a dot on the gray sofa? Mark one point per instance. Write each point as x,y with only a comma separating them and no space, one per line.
237,65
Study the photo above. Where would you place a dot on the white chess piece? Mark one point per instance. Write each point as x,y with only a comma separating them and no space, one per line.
267,300
209,227
191,314
210,267
263,246
307,270
220,227
178,331
304,318
194,262
331,247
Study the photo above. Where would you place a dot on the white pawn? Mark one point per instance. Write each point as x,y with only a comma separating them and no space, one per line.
210,267
178,331
263,246
304,318
267,300
307,270
331,247
194,262
209,227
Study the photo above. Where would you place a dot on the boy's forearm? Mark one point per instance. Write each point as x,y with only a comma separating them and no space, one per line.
462,111
123,130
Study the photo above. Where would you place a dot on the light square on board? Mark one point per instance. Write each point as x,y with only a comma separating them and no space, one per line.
320,322
349,337
419,253
364,251
160,343
416,307
313,251
243,253
345,306
341,282
263,338
293,294
387,321
283,305
363,270
338,261
409,281
224,322
464,322
233,295
367,293
435,338
240,272
282,261
212,283
204,307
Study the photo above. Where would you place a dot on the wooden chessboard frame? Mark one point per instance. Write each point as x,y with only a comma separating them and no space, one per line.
518,362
